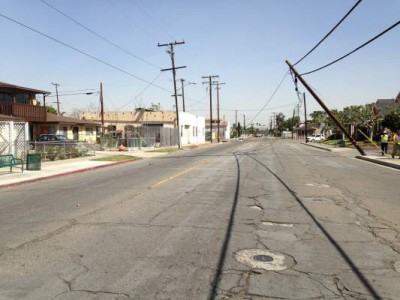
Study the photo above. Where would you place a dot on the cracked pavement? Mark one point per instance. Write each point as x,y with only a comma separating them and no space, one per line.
110,234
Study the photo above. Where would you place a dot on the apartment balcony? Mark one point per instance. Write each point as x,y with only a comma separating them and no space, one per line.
30,113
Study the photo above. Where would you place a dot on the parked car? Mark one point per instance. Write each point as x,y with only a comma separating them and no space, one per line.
49,140
55,138
316,138
310,138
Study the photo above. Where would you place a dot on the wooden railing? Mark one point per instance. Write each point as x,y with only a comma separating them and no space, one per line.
30,113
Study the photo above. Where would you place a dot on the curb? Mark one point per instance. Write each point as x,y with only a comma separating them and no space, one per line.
383,163
66,173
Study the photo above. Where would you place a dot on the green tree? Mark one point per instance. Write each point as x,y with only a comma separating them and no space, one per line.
51,110
392,121
279,122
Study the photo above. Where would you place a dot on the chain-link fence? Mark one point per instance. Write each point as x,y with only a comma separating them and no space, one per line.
144,137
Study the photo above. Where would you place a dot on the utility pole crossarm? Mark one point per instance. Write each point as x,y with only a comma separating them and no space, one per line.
171,69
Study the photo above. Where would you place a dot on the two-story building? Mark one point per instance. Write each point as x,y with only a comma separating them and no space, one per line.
22,103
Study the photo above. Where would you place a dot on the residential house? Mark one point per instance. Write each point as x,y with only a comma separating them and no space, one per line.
21,102
76,129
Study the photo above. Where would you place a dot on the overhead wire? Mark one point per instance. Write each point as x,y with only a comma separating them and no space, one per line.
140,93
330,32
271,97
84,53
100,36
156,20
353,51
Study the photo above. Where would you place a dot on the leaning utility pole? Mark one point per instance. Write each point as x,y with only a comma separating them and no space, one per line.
210,77
102,109
58,101
173,69
218,120
325,108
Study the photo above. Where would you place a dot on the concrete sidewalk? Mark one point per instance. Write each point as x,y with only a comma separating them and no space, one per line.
69,166
373,156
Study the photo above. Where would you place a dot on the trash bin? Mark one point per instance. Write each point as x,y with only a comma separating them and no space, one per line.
33,161
341,143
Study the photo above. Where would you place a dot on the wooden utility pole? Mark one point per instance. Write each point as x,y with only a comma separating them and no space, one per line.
173,69
293,122
326,109
102,109
58,101
210,77
305,116
217,83
183,91
237,132
244,124
183,95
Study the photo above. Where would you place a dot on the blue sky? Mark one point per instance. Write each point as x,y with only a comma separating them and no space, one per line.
245,42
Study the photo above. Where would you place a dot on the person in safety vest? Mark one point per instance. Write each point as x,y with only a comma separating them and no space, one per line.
384,142
396,142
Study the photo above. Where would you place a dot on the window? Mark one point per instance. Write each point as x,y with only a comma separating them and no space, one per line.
22,98
89,131
63,131
6,97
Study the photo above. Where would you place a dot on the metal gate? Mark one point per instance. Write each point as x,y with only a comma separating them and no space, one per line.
13,138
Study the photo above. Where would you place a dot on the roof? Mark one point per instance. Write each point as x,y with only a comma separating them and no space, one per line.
385,105
52,118
10,118
4,85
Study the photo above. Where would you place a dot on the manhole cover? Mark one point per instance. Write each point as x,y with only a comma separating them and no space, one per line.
263,258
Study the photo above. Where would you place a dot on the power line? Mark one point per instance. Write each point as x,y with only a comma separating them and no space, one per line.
76,91
84,53
99,36
270,98
142,92
329,33
156,19
355,50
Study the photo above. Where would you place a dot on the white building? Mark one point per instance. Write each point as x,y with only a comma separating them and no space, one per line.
192,128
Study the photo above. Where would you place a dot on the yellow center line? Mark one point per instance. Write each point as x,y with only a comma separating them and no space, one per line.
179,174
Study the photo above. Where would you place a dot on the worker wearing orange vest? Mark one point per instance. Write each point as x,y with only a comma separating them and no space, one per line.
396,146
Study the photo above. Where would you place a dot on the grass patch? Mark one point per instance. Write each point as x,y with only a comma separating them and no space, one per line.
165,150
116,158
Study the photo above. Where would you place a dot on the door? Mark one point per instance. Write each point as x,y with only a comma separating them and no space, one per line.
75,133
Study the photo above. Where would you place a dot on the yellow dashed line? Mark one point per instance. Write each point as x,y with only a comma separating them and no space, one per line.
179,174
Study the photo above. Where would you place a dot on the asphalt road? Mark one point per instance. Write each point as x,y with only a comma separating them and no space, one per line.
259,219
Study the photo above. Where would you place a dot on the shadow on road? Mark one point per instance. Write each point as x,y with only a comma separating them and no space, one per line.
221,261
348,260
